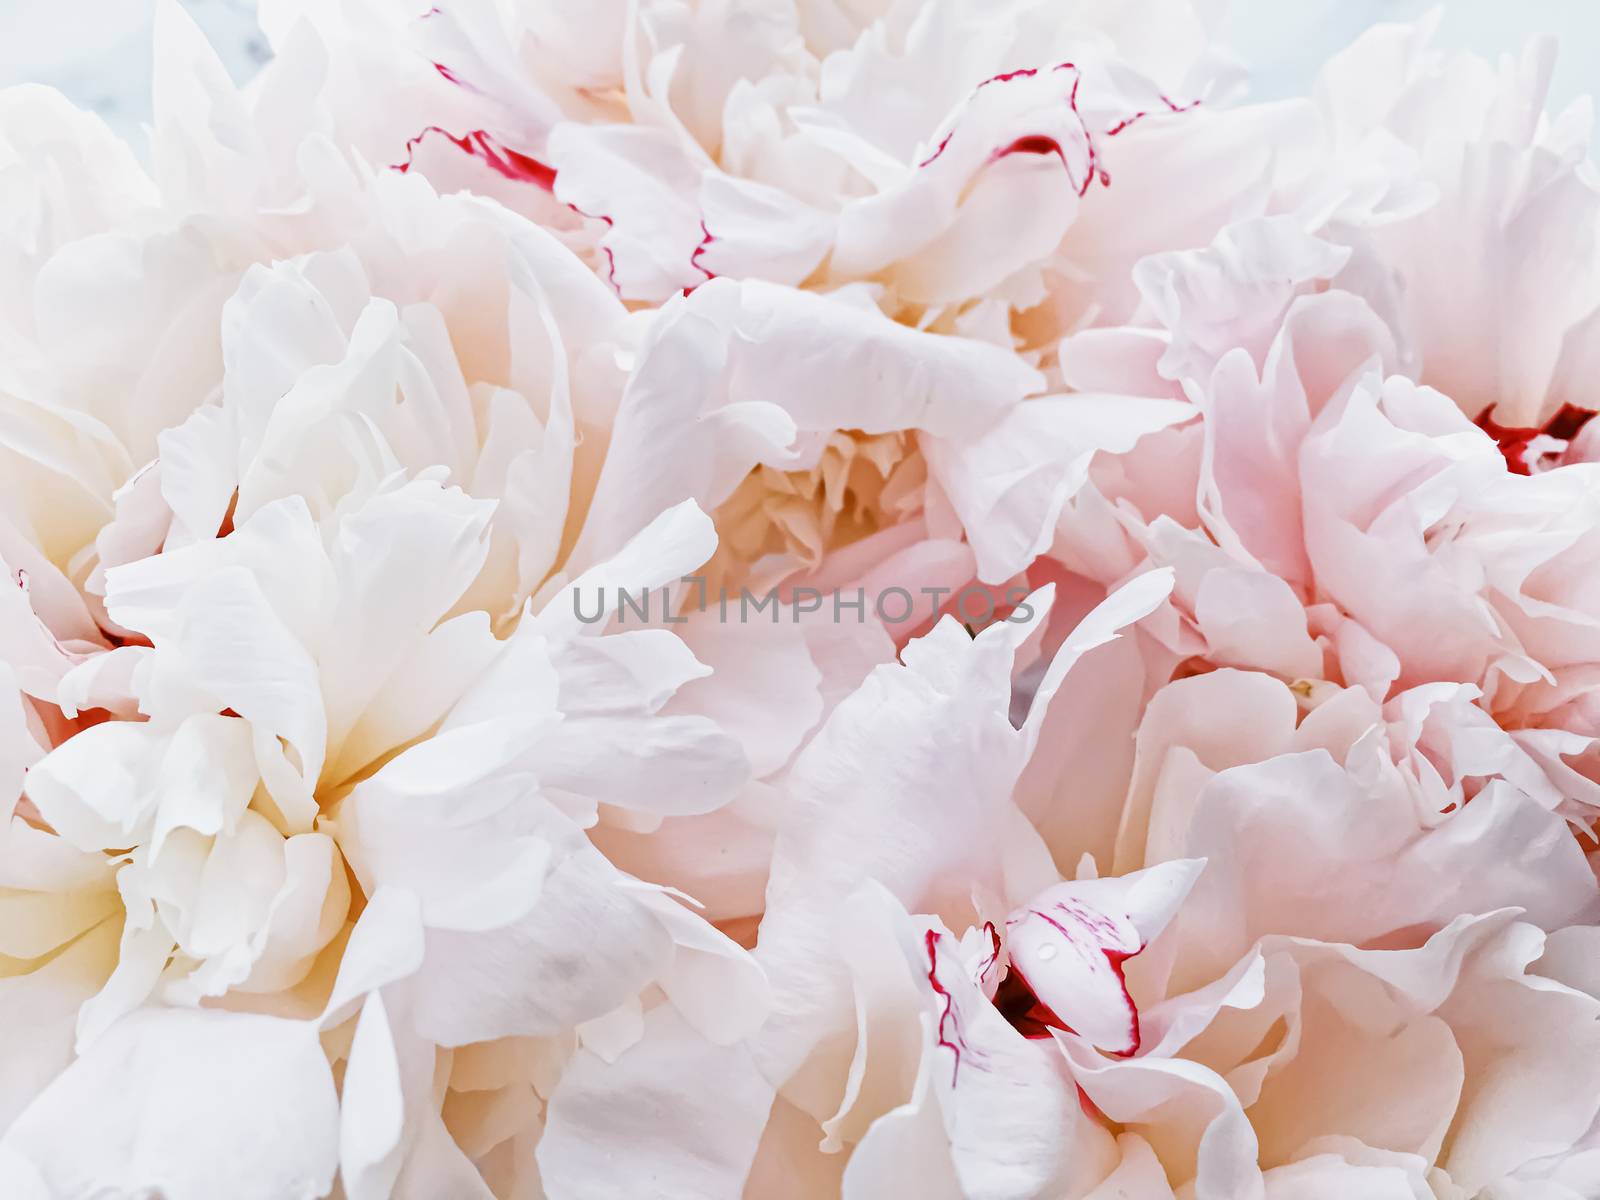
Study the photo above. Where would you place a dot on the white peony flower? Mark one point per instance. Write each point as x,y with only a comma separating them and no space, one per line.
395,805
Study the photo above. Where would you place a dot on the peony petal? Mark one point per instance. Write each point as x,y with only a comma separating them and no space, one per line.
221,1099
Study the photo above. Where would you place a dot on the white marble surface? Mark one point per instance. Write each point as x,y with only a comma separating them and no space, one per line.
98,51
1283,41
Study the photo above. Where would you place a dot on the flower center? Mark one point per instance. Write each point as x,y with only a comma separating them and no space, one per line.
862,483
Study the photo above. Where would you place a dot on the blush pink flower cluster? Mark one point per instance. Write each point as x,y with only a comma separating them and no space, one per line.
1237,844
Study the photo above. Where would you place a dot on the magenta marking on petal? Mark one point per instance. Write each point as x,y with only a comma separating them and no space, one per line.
1099,925
931,941
512,164
1038,143
1046,144
938,150
1135,1033
611,259
1004,77
447,74
994,950
1035,143
1088,140
1095,922
1172,107
1008,76
706,238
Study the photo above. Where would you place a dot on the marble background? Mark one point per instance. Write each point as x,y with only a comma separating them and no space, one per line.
98,51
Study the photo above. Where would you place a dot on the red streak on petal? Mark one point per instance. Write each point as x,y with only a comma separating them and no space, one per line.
530,169
1045,144
1039,143
938,150
931,941
1096,922
503,160
994,950
611,259
706,239
1094,170
1008,76
1034,143
1172,107
1514,440
1115,959
513,165
1135,1034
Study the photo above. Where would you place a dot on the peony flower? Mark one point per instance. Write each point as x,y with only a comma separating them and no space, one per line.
393,807
1243,840
1506,341
882,159
288,646
790,142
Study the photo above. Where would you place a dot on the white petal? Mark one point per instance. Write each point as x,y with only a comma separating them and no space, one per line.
690,1112
184,1102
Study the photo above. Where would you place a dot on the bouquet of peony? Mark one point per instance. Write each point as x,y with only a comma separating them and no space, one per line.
698,599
